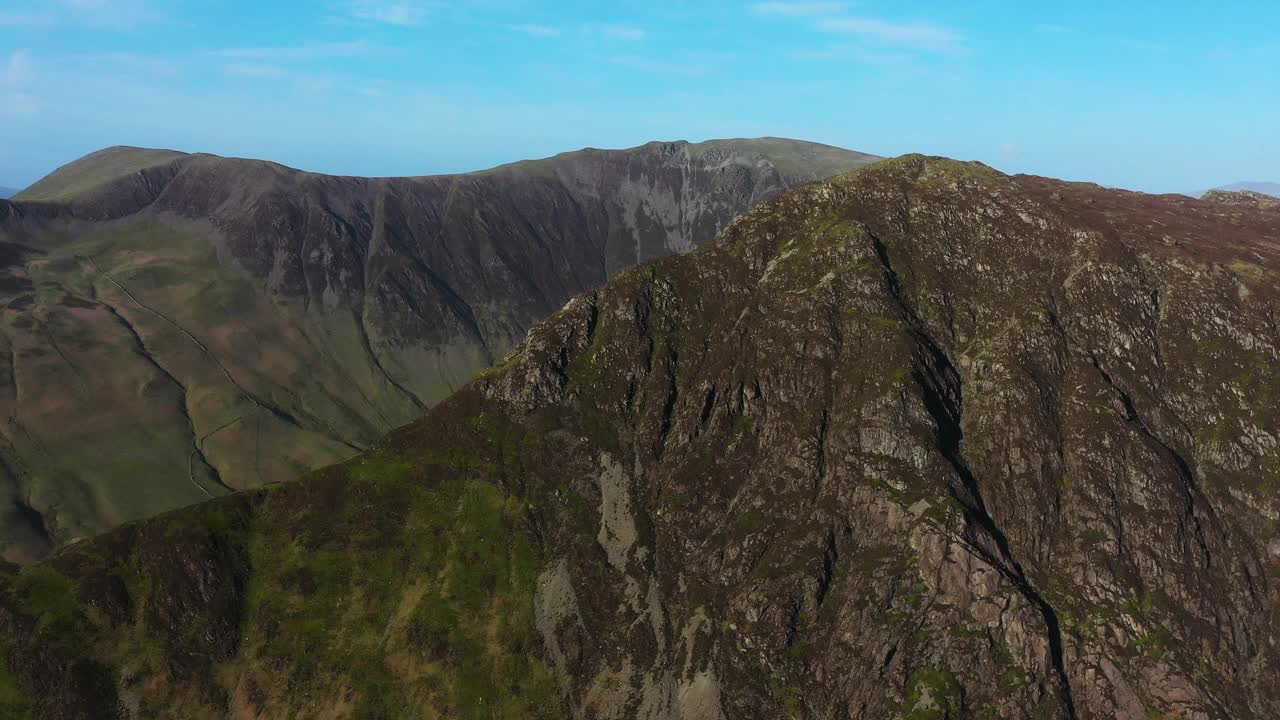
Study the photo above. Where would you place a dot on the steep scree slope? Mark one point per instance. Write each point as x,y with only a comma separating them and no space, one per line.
175,326
923,441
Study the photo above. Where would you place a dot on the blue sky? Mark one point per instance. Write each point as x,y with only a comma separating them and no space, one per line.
1157,96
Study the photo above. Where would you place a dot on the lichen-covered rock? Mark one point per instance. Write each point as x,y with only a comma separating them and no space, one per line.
1241,197
923,441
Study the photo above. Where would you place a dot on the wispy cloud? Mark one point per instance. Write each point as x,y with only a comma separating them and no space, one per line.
371,88
830,16
858,54
127,61
402,12
622,32
115,14
255,70
299,53
921,36
17,69
664,67
24,18
16,78
799,9
689,63
536,30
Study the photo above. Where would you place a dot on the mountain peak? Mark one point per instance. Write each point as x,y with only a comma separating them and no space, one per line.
94,171
1241,197
1265,188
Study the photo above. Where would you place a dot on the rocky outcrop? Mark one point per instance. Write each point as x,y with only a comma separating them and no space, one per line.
922,441
196,324
1242,197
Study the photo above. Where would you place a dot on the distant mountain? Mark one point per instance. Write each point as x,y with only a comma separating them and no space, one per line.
1245,198
178,326
924,441
1265,188
7,192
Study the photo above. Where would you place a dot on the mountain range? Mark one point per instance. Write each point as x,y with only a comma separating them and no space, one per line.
177,327
919,441
1265,188
7,192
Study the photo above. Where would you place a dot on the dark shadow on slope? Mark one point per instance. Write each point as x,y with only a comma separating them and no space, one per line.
942,392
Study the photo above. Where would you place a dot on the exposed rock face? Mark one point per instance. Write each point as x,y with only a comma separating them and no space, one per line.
1264,188
923,441
1246,198
176,326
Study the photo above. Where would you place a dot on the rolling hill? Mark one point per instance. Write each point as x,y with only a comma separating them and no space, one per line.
176,326
920,441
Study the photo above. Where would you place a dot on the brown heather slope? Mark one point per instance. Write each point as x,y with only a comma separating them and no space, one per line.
922,441
173,327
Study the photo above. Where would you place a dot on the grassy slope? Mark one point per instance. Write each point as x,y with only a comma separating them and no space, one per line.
94,170
794,158
400,584
130,379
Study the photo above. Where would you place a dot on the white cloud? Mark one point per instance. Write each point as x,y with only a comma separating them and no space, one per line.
15,79
623,32
664,67
17,69
799,9
22,18
113,14
537,30
128,62
404,12
255,70
856,53
917,35
299,53
21,104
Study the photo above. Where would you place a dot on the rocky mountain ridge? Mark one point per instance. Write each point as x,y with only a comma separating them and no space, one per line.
179,326
920,441
1241,197
1265,188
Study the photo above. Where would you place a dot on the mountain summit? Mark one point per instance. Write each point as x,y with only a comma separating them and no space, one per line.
920,441
1265,188
180,326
